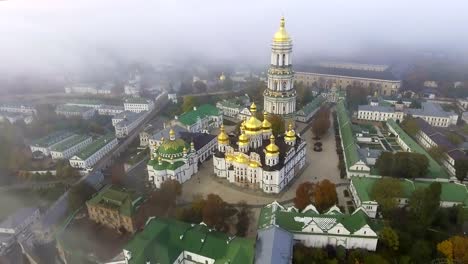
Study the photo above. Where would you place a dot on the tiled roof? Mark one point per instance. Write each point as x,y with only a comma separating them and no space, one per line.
76,139
434,170
52,139
191,117
450,192
381,75
347,137
310,107
122,200
163,240
95,146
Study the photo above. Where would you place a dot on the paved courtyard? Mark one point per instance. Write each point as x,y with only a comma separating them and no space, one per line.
320,165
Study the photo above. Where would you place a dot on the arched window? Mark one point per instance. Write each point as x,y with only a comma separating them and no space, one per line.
284,59
277,59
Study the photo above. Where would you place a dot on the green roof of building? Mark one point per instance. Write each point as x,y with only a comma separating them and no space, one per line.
434,170
137,100
86,101
95,146
73,108
451,192
163,240
126,202
294,221
312,106
347,137
52,139
191,117
75,140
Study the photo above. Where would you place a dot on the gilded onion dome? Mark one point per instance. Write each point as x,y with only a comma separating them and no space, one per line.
243,139
173,148
223,137
272,148
222,77
253,124
281,35
266,125
254,164
290,134
241,158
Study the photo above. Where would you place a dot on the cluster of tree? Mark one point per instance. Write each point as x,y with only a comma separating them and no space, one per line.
322,195
255,90
216,213
79,194
455,249
304,94
461,169
321,122
162,201
356,95
188,103
64,170
12,154
339,149
402,164
332,255
410,126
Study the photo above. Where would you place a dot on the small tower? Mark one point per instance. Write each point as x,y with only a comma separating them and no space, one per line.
222,78
290,136
223,140
266,126
272,153
243,141
192,147
171,134
253,128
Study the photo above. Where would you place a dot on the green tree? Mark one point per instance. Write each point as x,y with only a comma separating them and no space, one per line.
386,191
356,95
304,195
189,103
420,252
424,203
374,258
454,138
461,169
277,124
243,219
389,238
410,126
79,194
384,164
437,153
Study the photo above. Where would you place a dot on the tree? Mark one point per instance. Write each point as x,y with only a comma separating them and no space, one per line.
403,164
389,238
437,153
169,191
117,173
304,195
386,191
446,247
424,204
374,258
421,252
277,124
189,103
325,195
216,212
454,138
384,164
355,96
243,219
410,126
79,194
461,169
460,248
321,123
199,87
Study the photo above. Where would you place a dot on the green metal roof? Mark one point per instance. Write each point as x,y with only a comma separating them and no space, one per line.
191,117
163,240
124,201
52,139
95,146
62,146
73,108
451,192
136,100
294,221
434,170
310,107
347,137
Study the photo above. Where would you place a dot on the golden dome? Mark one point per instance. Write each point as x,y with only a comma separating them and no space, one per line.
222,77
171,134
254,164
223,137
243,139
253,124
291,134
241,158
266,125
281,35
272,148
230,157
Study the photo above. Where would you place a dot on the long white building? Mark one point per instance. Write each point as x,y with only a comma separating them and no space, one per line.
45,144
18,108
94,152
138,105
69,147
75,111
125,122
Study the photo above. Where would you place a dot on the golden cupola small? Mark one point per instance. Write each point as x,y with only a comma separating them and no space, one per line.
272,149
290,136
253,125
281,35
266,125
223,138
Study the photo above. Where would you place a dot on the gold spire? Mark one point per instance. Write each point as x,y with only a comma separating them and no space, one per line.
223,137
291,134
281,35
253,124
243,139
272,149
171,134
222,77
241,158
266,125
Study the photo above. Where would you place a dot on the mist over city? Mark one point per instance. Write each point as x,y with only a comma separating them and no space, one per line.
240,132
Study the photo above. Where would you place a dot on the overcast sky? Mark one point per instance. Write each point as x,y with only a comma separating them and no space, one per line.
48,36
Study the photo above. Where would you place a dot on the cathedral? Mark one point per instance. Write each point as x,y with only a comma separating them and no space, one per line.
255,158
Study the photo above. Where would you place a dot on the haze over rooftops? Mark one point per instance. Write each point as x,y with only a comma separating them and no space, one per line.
72,141
379,75
95,146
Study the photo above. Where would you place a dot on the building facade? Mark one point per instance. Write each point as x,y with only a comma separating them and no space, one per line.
90,155
70,147
257,159
308,111
18,108
115,208
138,105
125,122
110,110
200,119
45,144
75,111
280,95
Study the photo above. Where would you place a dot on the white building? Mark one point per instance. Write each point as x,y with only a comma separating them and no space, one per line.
312,229
463,103
81,89
69,147
257,159
125,122
152,138
75,111
379,113
110,110
430,84
172,97
465,117
94,152
280,96
233,107
90,103
133,86
138,105
45,144
18,108
200,119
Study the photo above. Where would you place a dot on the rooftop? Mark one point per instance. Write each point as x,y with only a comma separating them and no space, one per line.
310,107
429,109
129,118
191,117
164,133
378,108
137,100
274,246
347,137
51,139
380,75
163,240
95,146
124,201
72,108
70,142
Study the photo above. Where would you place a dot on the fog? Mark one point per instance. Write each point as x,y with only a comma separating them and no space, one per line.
69,36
